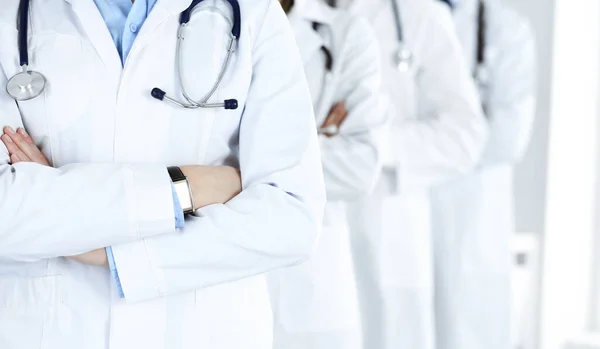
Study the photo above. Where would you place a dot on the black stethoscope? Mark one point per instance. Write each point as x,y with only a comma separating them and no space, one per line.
480,73
403,57
29,84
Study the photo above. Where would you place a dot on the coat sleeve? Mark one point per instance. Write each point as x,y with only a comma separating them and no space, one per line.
352,159
275,221
50,212
448,140
511,100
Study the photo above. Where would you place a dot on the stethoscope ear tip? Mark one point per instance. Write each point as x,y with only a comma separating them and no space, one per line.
231,104
158,94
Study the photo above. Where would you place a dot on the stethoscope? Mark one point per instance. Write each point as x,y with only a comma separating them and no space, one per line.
480,73
29,84
326,82
403,57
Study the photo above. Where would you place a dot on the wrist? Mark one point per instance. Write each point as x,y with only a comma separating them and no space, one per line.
183,189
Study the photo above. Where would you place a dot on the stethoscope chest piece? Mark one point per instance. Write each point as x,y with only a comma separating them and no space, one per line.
26,85
403,59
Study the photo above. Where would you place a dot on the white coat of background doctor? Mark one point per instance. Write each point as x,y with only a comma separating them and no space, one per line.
108,143
438,134
315,304
473,216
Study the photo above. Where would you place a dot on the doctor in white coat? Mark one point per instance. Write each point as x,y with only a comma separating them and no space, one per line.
438,134
473,216
315,304
108,143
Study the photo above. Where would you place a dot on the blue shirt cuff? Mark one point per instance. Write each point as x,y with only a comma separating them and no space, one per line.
179,217
113,271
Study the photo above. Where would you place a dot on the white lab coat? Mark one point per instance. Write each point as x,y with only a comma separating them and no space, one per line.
315,304
473,216
438,133
109,142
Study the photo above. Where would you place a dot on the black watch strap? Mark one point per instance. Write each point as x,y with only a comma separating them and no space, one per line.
176,174
182,188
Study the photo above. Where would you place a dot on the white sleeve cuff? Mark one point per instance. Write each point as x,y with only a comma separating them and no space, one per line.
150,200
137,274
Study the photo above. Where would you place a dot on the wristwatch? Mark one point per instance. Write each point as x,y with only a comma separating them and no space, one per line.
182,188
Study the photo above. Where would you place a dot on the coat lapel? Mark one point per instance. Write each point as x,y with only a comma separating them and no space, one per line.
303,15
308,40
97,32
94,26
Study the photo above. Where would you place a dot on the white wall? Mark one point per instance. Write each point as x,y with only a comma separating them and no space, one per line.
569,234
555,184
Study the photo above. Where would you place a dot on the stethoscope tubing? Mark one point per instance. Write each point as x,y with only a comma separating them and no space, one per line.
481,42
23,32
398,21
184,19
30,84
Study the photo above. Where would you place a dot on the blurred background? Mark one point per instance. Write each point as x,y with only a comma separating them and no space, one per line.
557,264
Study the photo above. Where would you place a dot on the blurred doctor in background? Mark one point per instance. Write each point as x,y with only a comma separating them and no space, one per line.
315,304
473,216
438,134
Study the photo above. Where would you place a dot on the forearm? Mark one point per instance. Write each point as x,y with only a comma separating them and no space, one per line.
262,229
430,153
48,212
510,132
351,165
511,97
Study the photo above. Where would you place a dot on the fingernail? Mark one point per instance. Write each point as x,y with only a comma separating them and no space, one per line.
10,130
23,132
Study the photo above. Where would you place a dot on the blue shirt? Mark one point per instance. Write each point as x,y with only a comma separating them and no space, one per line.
124,20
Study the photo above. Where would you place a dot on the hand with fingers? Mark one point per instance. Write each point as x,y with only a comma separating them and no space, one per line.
334,120
210,184
22,148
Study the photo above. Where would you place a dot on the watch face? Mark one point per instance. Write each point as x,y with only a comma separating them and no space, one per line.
183,193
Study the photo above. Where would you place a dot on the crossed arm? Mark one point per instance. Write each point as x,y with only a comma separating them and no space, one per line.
209,184
273,223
